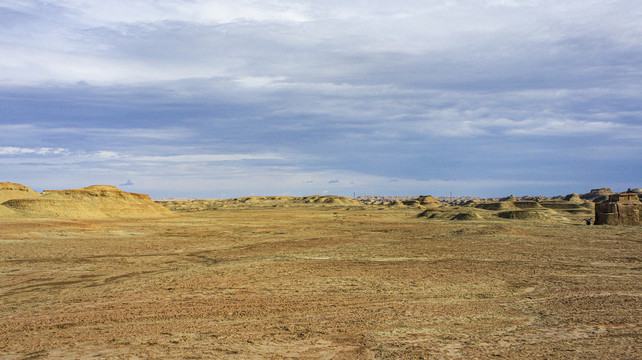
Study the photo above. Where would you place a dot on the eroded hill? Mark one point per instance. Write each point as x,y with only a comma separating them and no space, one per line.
93,202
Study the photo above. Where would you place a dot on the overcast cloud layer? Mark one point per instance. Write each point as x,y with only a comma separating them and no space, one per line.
222,99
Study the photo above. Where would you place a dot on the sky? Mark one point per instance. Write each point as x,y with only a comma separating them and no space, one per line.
221,99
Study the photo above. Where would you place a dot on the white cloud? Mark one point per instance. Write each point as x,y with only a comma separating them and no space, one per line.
103,158
146,41
107,154
29,131
145,11
16,130
167,134
530,127
9,150
259,81
206,158
562,127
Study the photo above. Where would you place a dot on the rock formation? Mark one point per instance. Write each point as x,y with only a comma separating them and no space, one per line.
9,191
93,202
597,195
619,209
574,198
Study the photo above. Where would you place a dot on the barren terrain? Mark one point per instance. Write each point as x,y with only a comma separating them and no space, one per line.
318,282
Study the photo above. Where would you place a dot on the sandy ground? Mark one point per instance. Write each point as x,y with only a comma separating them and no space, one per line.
318,283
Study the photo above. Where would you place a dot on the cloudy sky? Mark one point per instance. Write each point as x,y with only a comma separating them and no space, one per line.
230,98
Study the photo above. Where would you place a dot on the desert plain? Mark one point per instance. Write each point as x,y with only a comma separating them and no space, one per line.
278,278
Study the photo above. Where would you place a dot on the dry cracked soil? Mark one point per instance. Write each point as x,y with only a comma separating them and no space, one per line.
316,282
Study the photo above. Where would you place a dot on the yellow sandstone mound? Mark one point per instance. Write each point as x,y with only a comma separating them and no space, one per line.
429,201
504,205
10,191
330,199
396,203
468,215
93,202
545,215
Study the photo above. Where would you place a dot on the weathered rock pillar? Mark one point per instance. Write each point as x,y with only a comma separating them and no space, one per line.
619,209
